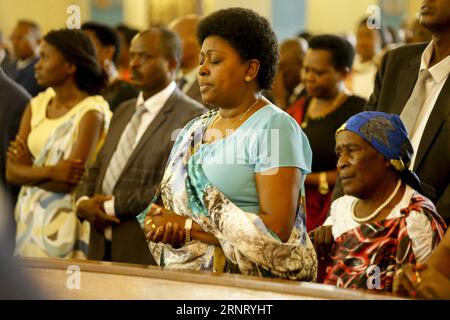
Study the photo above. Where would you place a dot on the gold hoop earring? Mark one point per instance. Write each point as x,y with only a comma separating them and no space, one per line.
248,79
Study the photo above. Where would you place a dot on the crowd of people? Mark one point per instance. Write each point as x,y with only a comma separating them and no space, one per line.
207,145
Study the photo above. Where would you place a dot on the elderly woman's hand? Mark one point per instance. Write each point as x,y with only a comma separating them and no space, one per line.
161,225
421,281
322,239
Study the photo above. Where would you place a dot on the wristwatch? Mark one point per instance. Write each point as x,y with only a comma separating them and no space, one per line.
187,229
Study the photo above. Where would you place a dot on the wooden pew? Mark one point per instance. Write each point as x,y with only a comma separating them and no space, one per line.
105,280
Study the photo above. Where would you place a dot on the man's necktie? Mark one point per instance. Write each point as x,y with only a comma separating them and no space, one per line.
412,108
123,151
181,83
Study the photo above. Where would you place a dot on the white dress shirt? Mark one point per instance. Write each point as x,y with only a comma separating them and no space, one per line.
153,105
22,64
297,90
439,73
190,78
363,77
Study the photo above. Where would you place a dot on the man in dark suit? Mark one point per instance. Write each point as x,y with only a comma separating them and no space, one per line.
186,28
13,100
25,41
7,63
131,163
396,82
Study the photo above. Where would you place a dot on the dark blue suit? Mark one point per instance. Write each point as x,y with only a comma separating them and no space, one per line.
25,77
13,101
9,66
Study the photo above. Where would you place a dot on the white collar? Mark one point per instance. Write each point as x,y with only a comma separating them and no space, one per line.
157,101
359,66
22,64
440,70
298,89
191,76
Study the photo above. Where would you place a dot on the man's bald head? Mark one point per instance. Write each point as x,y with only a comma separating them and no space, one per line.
25,39
292,52
294,46
186,28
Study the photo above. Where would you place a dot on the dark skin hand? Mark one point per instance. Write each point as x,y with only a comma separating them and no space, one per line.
18,151
66,171
161,225
322,239
421,281
277,210
92,210
64,175
430,280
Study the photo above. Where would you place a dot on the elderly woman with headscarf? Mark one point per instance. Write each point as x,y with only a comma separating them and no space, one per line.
382,222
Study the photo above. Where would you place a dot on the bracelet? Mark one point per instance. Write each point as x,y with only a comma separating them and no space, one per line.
323,183
187,229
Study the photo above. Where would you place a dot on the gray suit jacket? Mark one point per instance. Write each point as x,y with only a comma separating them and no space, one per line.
140,177
393,86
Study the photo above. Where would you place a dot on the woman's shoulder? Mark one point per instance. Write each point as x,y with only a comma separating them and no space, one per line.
201,120
353,105
96,100
42,98
356,103
272,116
419,203
93,103
39,104
342,203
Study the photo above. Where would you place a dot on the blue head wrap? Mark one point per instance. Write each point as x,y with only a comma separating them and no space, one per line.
387,134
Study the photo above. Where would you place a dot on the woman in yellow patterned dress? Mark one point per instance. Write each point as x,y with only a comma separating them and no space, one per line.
60,132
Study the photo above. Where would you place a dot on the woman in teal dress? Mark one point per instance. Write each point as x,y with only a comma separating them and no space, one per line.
231,198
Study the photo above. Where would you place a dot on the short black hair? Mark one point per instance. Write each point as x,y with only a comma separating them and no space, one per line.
305,35
78,49
170,43
249,34
341,50
128,32
106,35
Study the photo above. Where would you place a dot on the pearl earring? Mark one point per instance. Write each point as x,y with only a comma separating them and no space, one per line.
248,78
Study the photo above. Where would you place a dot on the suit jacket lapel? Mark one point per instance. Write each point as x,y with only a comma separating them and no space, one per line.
438,116
154,125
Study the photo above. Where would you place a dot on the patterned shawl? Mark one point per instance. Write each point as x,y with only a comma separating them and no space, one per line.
245,241
384,244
